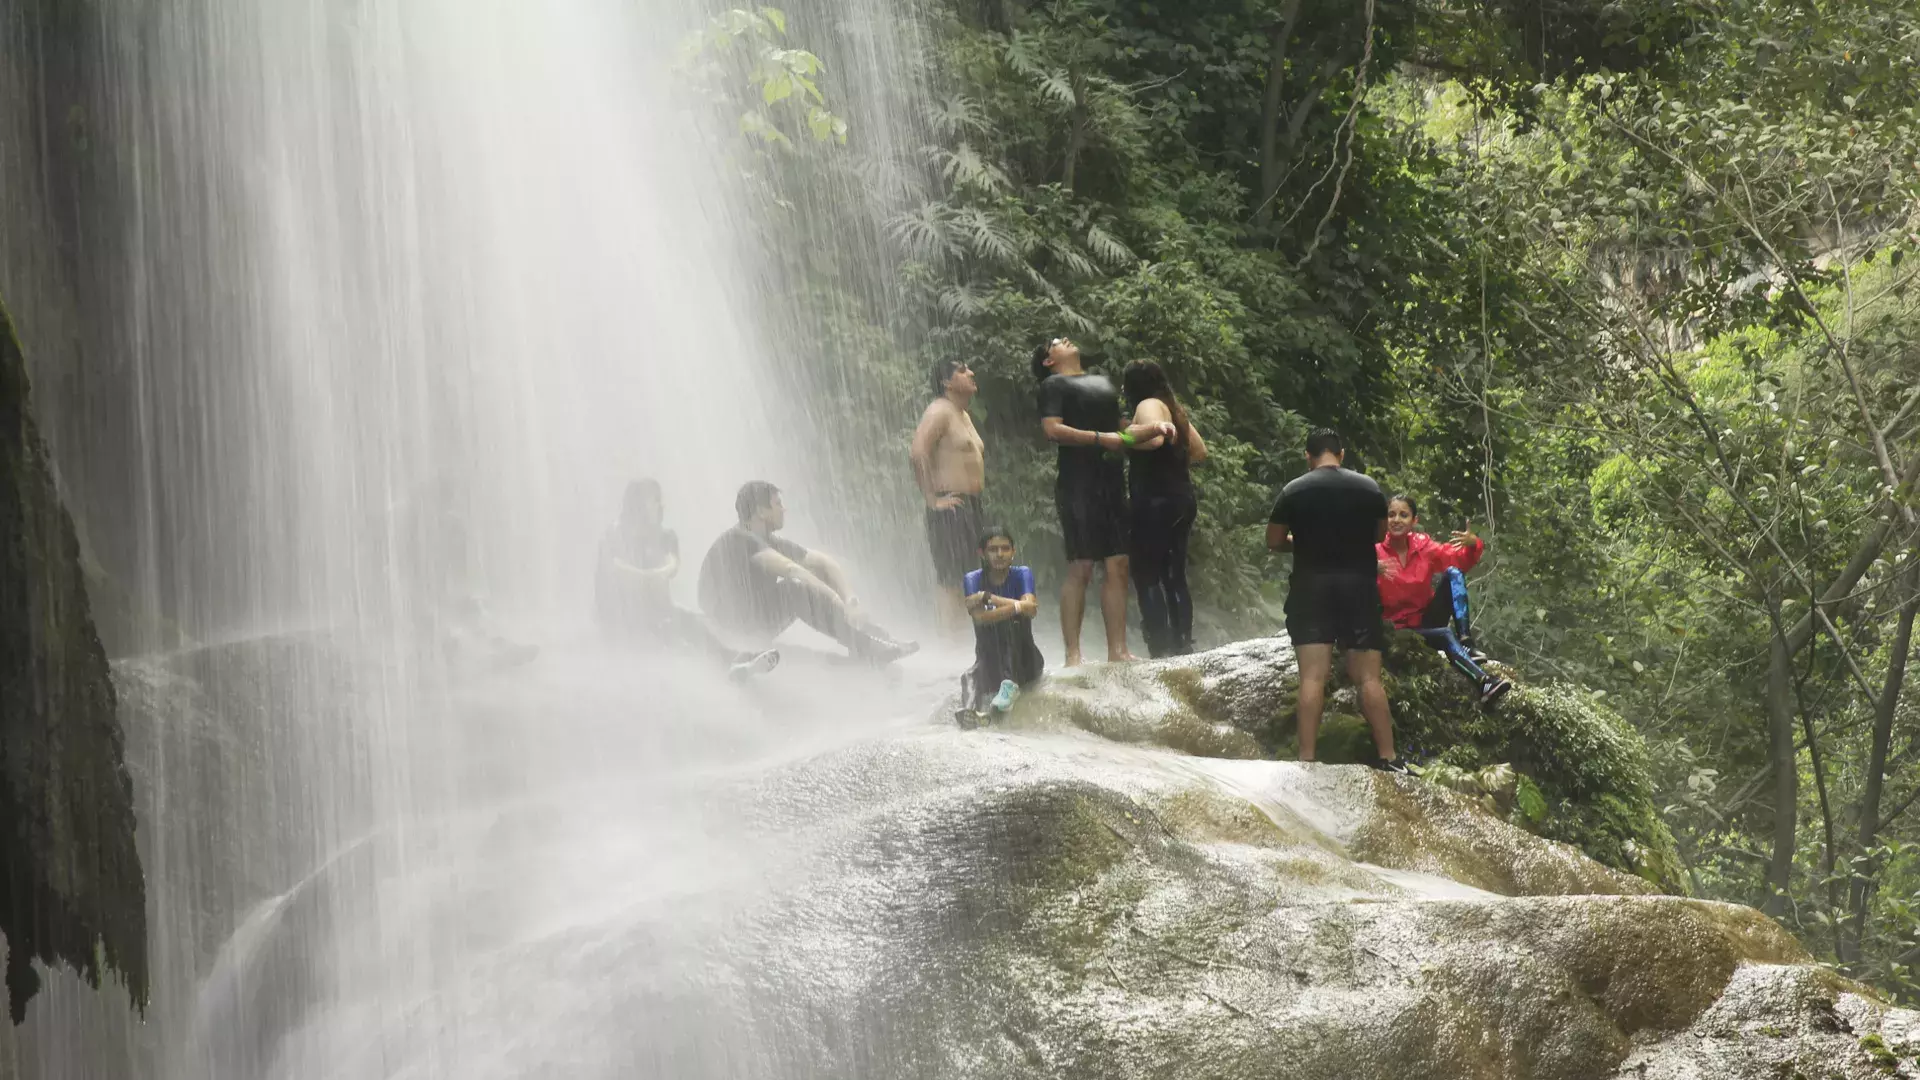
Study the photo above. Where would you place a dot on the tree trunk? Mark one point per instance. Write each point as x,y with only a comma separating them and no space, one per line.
1786,771
1862,882
1273,110
1076,132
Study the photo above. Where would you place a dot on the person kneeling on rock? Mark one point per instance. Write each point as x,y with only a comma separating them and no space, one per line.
1000,598
1423,588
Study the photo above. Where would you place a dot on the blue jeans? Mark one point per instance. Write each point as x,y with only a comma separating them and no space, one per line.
1446,623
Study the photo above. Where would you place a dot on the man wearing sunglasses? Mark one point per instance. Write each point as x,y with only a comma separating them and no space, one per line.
1080,412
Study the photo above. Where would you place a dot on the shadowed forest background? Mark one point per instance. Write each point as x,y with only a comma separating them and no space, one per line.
1623,284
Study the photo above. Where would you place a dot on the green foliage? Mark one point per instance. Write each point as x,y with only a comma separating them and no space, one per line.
739,61
1625,284
1585,776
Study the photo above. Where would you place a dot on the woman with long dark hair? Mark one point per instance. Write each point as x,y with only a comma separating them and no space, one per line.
1160,486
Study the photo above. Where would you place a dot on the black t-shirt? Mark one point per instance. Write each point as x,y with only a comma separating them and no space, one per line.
733,587
1087,402
1335,516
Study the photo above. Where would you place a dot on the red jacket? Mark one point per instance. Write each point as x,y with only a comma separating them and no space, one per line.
1405,593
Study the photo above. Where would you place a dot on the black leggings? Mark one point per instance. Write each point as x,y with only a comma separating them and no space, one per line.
1161,527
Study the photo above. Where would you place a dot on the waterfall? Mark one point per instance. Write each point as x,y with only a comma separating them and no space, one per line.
354,270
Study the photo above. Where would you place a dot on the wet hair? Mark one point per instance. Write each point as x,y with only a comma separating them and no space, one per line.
991,533
994,532
1325,441
1412,507
942,371
1145,379
638,492
1039,358
755,496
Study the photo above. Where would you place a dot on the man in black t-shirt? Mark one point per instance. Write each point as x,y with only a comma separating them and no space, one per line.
756,583
1330,518
1081,413
632,585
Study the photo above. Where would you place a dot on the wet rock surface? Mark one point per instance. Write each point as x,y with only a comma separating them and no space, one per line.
613,890
71,889
1574,771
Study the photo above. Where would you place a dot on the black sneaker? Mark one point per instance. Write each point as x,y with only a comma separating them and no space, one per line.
1387,766
1492,691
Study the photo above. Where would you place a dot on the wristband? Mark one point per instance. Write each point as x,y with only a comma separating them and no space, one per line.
1126,438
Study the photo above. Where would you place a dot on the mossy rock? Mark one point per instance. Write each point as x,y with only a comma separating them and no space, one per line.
1586,773
1582,772
71,887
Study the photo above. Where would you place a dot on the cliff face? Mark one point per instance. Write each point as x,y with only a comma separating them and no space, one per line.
71,889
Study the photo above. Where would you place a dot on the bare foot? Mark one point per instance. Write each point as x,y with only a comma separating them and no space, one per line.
1121,657
1073,659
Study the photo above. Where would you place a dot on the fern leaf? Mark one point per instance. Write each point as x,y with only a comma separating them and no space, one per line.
988,239
1072,259
923,233
1107,247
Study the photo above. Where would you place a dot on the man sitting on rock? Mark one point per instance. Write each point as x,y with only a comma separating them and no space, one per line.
633,580
755,583
1330,519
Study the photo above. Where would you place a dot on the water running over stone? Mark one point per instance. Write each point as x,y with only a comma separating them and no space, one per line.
474,250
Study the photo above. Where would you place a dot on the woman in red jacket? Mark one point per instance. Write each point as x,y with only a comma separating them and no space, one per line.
1423,588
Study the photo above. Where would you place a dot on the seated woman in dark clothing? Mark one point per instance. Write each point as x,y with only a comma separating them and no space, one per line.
633,586
1423,588
1000,598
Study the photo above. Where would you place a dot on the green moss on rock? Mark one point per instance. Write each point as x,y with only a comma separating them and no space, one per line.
1585,770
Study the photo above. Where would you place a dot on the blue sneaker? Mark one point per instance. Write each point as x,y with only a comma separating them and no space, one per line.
1003,700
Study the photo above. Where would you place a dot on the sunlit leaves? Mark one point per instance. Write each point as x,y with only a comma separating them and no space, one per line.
740,50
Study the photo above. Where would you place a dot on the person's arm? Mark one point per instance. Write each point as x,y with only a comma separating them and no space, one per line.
999,609
1056,430
1151,413
823,566
1279,531
1196,446
773,562
926,439
664,572
1464,551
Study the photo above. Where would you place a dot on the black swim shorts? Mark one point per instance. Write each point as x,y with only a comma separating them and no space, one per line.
953,538
1336,609
1093,514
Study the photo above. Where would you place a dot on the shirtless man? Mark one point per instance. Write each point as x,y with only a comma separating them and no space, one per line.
949,464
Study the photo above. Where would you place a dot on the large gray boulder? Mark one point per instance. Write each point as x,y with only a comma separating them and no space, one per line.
927,902
1570,769
631,873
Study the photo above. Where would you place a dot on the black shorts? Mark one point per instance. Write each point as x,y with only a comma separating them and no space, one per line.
953,538
1093,514
1336,609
